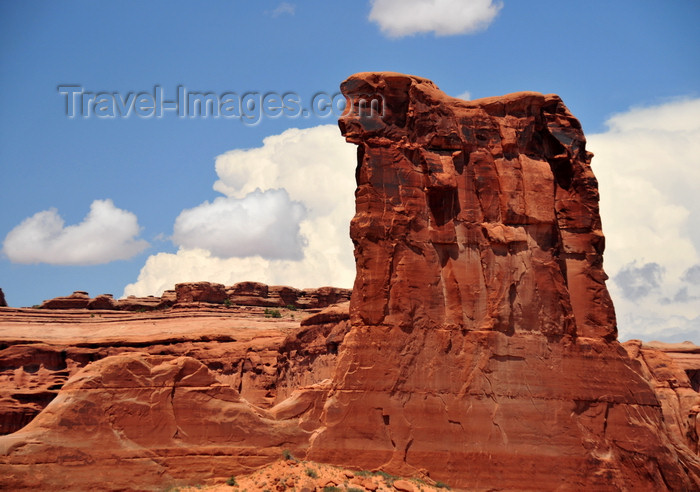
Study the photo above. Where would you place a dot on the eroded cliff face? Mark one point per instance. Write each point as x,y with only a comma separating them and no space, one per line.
487,208
483,346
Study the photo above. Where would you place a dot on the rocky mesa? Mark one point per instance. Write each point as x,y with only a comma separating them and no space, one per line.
479,347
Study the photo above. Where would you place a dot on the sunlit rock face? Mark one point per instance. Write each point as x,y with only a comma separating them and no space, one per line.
483,343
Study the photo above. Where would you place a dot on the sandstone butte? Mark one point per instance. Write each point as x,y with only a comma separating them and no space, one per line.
479,347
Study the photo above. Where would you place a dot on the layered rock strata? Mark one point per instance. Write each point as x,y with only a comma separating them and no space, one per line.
483,343
106,400
674,373
265,359
191,294
130,422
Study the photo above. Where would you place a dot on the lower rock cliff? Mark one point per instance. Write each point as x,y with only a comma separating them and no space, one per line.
135,420
106,400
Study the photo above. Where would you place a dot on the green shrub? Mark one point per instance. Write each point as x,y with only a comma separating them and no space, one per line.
311,473
332,488
389,479
232,481
291,307
228,303
287,455
442,485
385,475
272,313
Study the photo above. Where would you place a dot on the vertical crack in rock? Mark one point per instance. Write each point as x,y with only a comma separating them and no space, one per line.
477,229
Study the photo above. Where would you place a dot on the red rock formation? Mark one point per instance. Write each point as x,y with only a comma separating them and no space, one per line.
141,304
493,199
257,294
103,301
3,302
132,421
249,294
674,372
483,341
39,351
200,292
322,297
77,300
309,355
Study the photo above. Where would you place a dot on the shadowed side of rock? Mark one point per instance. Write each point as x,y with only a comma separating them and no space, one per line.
483,342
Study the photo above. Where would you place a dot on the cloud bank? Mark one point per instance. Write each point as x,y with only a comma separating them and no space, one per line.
398,18
284,8
106,234
261,223
648,168
284,218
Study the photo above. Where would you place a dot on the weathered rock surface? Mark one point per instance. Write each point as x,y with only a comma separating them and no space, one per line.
198,294
483,341
86,395
77,300
674,373
309,355
142,420
257,294
40,350
103,301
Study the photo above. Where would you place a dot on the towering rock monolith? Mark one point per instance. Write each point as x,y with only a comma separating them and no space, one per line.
483,343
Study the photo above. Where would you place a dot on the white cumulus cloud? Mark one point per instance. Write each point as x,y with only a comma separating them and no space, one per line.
264,223
648,168
283,8
398,18
284,219
106,234
466,95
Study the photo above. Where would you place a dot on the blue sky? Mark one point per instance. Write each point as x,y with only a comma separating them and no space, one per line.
629,70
